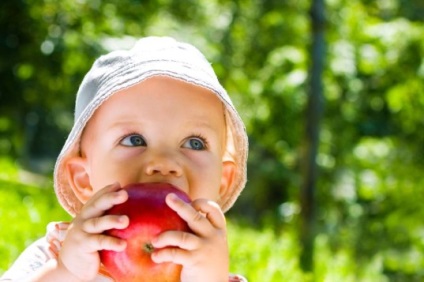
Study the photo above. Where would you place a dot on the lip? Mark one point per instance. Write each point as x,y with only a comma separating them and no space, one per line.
177,186
153,185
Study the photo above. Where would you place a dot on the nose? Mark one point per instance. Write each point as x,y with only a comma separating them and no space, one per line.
164,164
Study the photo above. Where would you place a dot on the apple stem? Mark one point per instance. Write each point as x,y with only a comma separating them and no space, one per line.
148,247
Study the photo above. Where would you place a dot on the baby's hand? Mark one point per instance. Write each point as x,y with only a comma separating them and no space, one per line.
84,239
204,254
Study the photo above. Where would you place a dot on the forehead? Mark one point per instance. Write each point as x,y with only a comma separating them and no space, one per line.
164,98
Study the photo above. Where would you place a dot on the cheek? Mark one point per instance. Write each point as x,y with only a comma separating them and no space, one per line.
205,180
105,172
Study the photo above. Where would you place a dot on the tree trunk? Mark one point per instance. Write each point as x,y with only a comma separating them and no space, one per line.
314,111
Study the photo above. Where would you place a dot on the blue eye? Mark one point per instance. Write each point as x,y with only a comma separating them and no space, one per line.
133,140
195,144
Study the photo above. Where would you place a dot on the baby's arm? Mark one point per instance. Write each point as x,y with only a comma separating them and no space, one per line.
204,254
79,258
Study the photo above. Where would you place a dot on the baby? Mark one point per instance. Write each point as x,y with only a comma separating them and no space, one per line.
155,113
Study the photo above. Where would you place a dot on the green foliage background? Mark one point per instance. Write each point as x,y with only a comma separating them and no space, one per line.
370,159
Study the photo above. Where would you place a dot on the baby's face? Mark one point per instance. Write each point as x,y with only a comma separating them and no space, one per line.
160,130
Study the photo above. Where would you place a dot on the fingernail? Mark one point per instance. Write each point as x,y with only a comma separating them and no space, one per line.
122,245
173,197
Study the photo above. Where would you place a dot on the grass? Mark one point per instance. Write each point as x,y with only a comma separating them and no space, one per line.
24,212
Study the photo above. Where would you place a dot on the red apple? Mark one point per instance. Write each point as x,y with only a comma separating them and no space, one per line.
149,216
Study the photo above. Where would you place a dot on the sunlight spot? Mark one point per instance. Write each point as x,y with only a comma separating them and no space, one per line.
288,210
47,47
345,187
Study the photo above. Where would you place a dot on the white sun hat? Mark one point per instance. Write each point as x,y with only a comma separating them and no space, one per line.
151,56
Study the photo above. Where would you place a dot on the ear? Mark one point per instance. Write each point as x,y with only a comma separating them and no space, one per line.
78,178
228,171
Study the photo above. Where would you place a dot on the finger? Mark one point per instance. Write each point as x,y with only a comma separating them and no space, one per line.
179,239
212,212
54,246
103,223
104,242
197,222
174,255
109,196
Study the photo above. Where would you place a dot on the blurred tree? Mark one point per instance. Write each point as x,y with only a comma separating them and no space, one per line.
313,113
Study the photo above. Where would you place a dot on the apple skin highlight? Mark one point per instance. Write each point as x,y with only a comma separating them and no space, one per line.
149,215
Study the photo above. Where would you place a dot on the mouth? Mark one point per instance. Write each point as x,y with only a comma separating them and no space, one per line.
170,183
